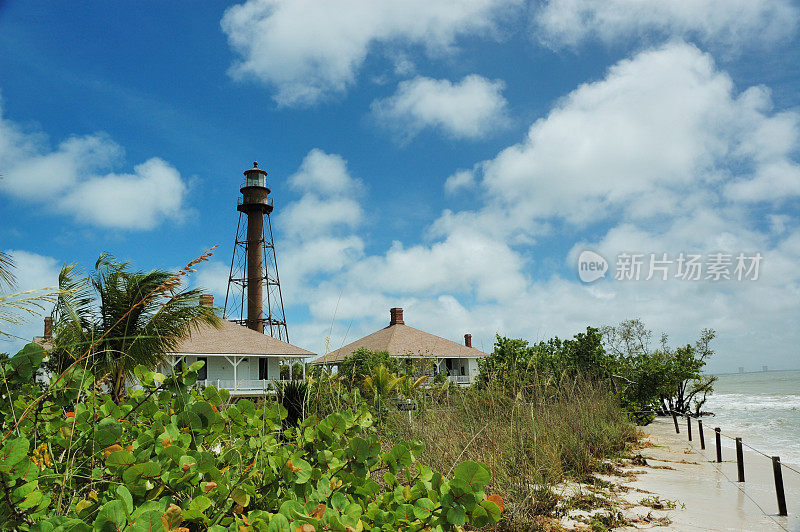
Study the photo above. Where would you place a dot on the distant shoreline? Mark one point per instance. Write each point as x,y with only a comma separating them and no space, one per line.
751,372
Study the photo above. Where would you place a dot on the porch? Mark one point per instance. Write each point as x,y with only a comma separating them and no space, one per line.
460,371
241,374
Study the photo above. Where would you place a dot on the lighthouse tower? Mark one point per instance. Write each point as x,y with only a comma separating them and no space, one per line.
253,282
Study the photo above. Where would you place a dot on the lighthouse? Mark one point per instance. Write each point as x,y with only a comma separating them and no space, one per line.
254,283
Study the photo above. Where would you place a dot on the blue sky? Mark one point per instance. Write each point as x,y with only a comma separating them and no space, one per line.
450,157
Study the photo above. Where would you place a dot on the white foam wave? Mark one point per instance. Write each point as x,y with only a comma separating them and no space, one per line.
738,401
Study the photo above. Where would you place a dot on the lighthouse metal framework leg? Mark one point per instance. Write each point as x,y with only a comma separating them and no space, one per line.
273,322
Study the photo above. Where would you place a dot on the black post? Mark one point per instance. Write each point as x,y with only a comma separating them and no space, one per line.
740,459
719,445
689,426
675,420
776,470
700,430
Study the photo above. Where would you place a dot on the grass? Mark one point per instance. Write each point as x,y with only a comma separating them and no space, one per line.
530,444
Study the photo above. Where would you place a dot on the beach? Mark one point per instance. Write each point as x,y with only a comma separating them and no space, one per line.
706,494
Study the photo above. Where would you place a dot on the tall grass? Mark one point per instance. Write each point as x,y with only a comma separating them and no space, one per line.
529,443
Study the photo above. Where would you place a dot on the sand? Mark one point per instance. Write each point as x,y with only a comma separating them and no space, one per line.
706,494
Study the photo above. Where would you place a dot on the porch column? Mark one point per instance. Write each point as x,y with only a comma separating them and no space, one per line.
235,363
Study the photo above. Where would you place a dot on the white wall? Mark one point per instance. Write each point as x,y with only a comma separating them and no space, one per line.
473,366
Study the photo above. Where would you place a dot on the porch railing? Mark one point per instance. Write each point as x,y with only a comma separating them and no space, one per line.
459,379
243,385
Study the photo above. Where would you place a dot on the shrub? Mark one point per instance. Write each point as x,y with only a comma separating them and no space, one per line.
173,458
363,363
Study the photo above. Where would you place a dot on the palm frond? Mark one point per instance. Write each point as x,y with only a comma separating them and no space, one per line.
17,307
6,270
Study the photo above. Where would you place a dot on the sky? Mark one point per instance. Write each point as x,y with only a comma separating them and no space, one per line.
507,167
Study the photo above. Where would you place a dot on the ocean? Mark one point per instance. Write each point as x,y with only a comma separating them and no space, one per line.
763,408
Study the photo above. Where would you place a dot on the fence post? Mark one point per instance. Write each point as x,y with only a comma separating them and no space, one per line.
719,444
689,426
700,430
776,470
740,459
675,420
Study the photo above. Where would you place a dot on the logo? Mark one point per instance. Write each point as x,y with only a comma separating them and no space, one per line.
591,266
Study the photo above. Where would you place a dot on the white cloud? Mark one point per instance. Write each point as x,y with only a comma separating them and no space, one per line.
318,229
328,202
461,263
727,22
309,50
471,108
74,179
463,179
656,137
323,173
153,193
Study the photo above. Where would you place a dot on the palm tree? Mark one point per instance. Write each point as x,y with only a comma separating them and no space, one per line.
381,385
410,388
116,319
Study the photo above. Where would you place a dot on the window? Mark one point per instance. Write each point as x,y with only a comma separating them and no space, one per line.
258,180
263,368
203,373
462,369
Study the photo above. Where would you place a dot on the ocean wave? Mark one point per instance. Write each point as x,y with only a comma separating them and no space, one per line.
738,401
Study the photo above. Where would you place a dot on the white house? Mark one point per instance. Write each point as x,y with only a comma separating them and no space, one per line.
241,360
458,361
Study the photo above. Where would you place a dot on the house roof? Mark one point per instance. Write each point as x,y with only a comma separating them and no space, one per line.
232,338
400,340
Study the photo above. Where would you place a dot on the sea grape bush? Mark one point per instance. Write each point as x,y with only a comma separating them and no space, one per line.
174,458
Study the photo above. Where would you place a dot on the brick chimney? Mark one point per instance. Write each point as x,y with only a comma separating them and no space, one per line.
396,316
468,340
48,327
206,300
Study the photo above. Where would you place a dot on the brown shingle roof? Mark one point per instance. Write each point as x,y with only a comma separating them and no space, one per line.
233,338
403,341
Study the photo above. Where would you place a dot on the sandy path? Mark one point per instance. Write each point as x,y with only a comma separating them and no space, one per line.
706,494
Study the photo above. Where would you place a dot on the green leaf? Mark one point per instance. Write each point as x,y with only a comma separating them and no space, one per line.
108,431
456,515
137,472
200,503
13,451
149,521
240,496
405,512
474,474
279,523
305,470
423,508
491,509
27,361
111,517
125,496
172,517
32,499
120,458
479,517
